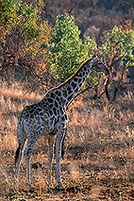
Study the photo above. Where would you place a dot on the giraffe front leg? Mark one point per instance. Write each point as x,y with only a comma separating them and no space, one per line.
28,154
51,139
59,140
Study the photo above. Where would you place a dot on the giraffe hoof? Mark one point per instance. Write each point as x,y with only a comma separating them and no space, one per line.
31,190
60,185
49,183
30,185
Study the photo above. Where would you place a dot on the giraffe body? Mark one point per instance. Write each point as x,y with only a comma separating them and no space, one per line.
48,117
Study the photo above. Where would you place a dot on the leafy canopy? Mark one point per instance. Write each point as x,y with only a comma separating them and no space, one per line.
66,51
21,32
119,44
22,16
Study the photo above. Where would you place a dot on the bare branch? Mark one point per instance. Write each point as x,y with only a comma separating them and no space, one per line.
106,89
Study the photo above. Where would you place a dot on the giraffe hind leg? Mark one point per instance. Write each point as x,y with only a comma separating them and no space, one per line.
28,153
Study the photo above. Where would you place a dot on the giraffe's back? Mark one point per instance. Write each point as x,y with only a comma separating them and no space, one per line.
39,118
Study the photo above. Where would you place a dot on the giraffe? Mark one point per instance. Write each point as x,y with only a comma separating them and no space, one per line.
48,117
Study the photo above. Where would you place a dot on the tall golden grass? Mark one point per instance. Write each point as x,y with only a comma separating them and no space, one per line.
99,159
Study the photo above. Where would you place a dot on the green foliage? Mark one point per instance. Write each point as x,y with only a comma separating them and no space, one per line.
66,51
6,12
22,16
119,44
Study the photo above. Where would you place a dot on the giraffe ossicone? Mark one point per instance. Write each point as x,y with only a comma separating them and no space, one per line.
48,117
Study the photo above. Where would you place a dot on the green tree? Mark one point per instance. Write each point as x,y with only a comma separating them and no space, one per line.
66,51
118,53
119,46
23,16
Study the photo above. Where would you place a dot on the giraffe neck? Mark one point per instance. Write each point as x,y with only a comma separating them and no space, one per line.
70,88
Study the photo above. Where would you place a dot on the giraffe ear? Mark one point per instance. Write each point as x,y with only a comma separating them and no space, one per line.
93,56
94,60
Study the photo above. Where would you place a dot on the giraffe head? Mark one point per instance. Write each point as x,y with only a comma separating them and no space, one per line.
98,66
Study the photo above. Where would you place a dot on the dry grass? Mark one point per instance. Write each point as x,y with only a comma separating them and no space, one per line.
99,159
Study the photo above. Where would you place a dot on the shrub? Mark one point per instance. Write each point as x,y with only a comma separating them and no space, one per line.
21,30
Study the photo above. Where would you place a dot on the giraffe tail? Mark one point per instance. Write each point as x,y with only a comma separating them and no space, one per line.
21,140
17,154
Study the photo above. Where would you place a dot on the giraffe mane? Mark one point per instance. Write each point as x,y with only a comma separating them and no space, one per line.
70,78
